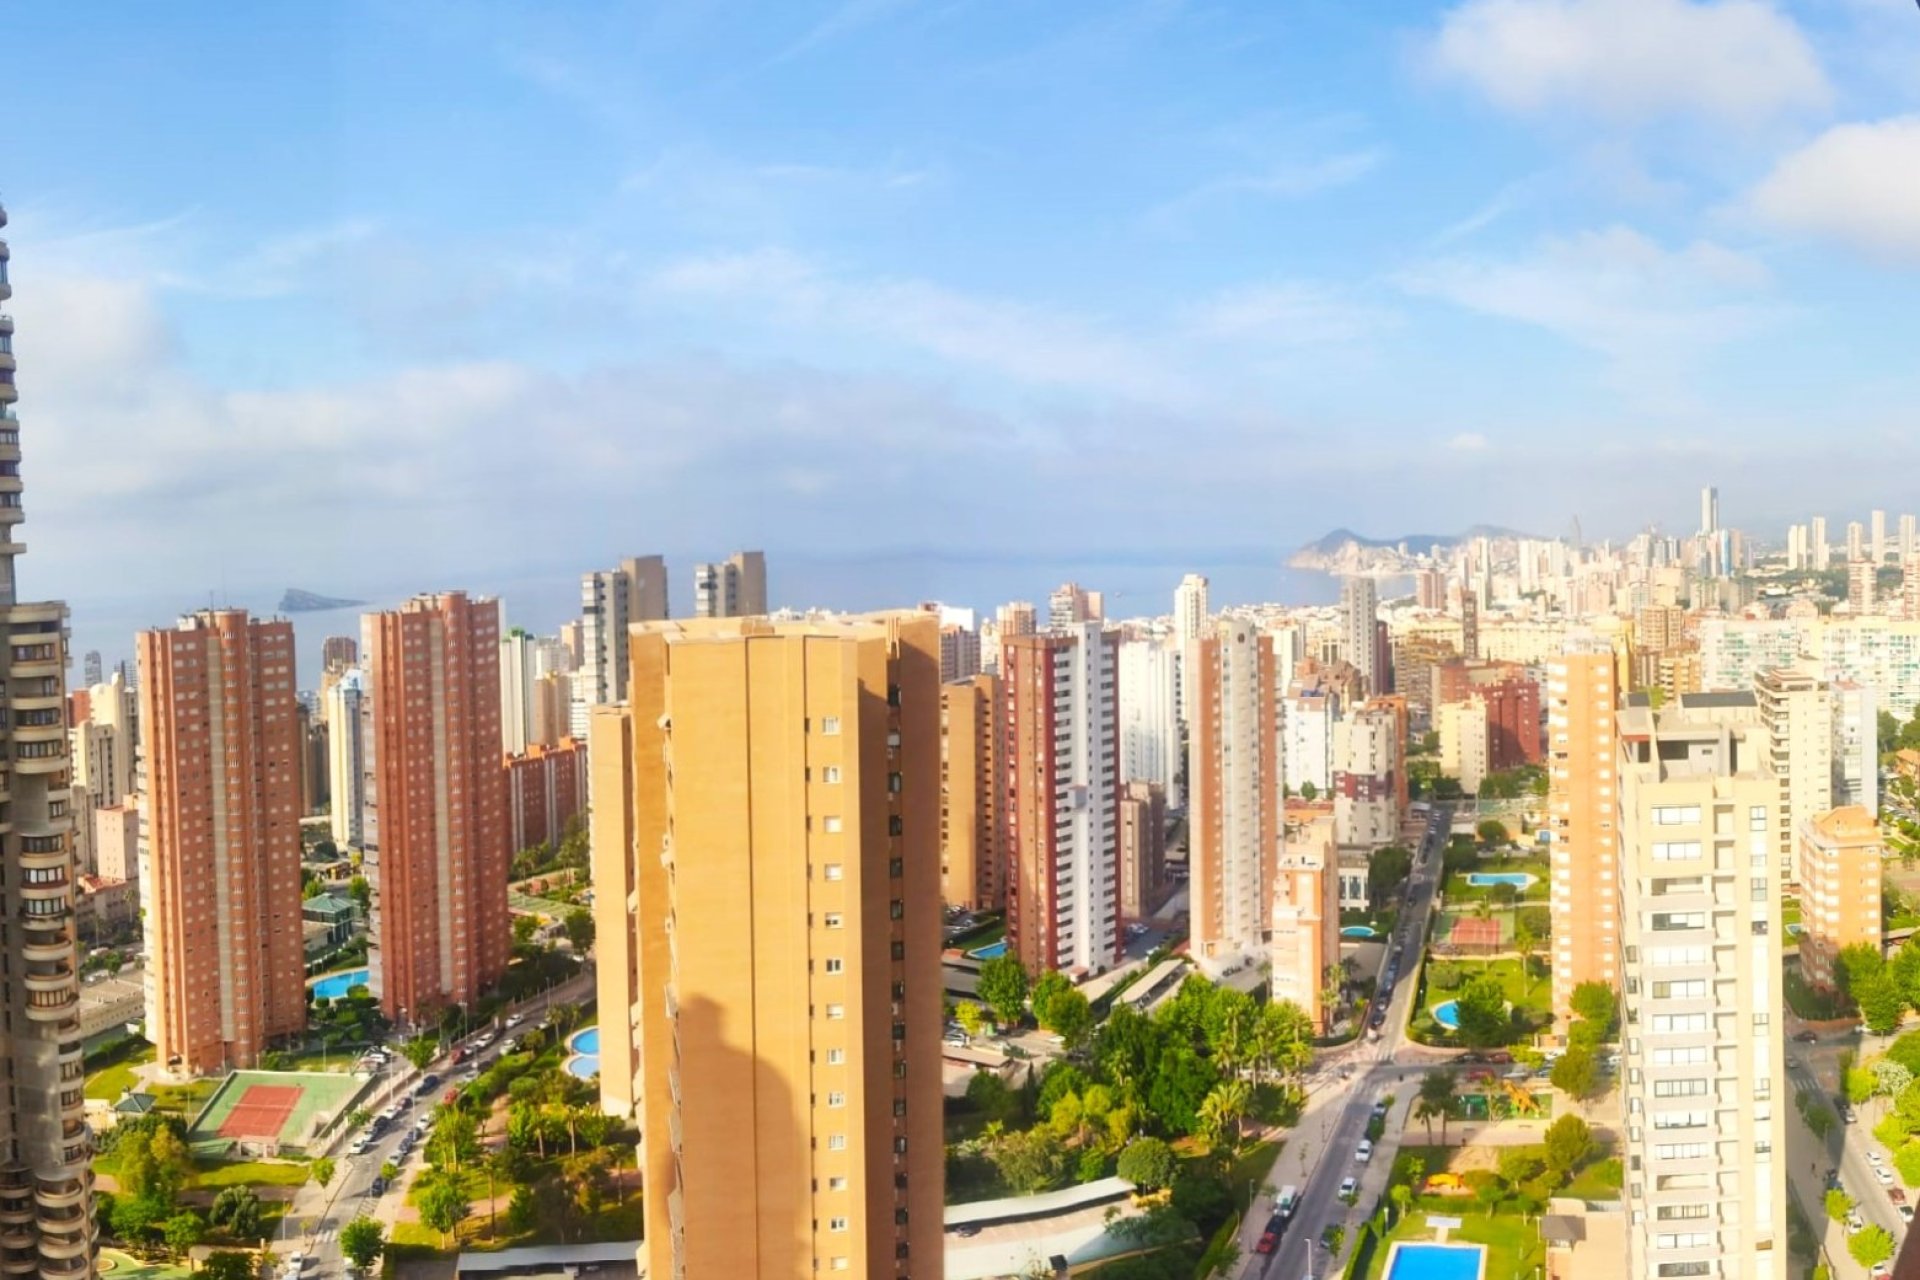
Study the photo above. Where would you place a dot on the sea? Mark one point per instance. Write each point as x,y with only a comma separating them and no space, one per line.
539,601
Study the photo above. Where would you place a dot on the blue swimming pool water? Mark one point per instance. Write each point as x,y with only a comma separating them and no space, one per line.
1518,879
586,1048
1448,1015
1358,931
587,1041
336,986
1435,1262
992,951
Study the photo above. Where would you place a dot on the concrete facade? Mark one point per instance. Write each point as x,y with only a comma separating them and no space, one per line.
1235,812
972,833
1582,801
1840,856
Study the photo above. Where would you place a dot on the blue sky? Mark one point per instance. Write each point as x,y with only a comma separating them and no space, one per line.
429,292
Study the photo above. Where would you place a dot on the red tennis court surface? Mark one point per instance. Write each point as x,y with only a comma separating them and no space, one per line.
1468,934
261,1111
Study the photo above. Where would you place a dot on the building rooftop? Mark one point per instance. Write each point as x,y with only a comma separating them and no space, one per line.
1849,824
618,1258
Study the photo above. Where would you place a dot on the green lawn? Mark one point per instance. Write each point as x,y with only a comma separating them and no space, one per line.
1253,1166
1457,890
1598,1181
243,1173
1532,992
123,1266
109,1083
186,1099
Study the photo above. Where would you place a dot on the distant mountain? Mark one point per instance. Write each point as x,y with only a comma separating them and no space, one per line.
298,601
1344,551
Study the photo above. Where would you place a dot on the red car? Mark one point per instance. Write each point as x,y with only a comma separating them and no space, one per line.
1896,1195
1267,1243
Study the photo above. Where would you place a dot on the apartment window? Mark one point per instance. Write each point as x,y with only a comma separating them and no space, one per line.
830,774
1759,928
835,964
836,1142
896,867
1761,1021
896,825
897,909
899,1106
1691,989
835,1012
1684,1269
1677,851
1691,1088
830,824
830,725
1661,957
834,920
1683,1240
1675,815
836,1183
839,1264
836,1057
1757,818
894,783
831,871
1683,1150
899,950
836,1224
835,1098
1665,921
1680,1119
1666,1024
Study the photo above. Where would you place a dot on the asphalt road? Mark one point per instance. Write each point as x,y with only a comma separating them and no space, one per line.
1374,1073
1845,1149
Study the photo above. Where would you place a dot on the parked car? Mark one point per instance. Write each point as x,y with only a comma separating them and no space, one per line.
1884,1174
1806,1037
1897,1195
515,1019
1349,1187
1268,1241
428,1080
1906,1212
1363,1152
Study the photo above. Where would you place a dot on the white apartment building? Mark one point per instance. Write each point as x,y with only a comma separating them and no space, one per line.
349,759
1705,1076
1149,675
1307,716
1797,712
1366,758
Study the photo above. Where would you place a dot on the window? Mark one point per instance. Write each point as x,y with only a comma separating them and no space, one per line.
1661,957
1664,921
836,1183
836,1142
1690,1088
1677,851
835,1012
835,1098
1757,818
1681,1119
836,1224
1684,1240
1760,1021
835,964
1666,1024
830,824
838,1264
1684,1269
1683,1151
1675,815
836,1057
1691,989
834,920
830,725
831,871
1757,890
830,774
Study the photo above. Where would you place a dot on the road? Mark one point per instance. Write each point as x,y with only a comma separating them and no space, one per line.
1845,1148
1341,1119
314,1220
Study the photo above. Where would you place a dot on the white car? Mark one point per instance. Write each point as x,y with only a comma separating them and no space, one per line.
296,1262
515,1020
1364,1152
1349,1187
1884,1174
1874,1157
1905,1211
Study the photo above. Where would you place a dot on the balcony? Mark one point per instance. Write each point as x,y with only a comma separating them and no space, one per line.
47,951
57,978
65,1246
52,1006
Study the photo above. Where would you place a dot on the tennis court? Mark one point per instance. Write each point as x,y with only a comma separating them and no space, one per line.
271,1110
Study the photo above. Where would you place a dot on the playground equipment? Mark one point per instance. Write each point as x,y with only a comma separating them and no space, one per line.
1524,1103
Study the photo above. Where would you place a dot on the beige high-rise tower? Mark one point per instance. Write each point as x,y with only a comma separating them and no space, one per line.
783,941
972,838
1234,787
1582,795
1704,1036
46,1182
732,588
226,953
1797,710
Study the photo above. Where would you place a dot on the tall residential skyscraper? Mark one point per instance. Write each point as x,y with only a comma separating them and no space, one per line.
1856,745
1908,543
1150,673
91,668
732,588
1582,792
1306,916
105,742
226,951
1368,775
1709,509
339,652
611,600
1796,710
1063,791
440,929
1861,587
782,782
1360,607
972,845
1822,552
1705,1070
1856,541
348,764
1840,857
46,1183
1069,605
525,661
1234,768
1143,849
1190,607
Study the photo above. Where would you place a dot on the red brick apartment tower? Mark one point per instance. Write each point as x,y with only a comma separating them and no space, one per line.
441,932
226,955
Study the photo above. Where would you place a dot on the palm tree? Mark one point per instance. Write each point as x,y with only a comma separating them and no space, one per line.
1437,1093
1526,944
1334,980
1221,1110
1402,1196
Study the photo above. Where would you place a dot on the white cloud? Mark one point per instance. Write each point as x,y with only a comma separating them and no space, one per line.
1468,442
1855,183
1726,60
1287,180
1287,313
1648,308
1030,344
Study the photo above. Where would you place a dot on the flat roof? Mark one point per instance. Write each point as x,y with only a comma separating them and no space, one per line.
1040,1206
549,1257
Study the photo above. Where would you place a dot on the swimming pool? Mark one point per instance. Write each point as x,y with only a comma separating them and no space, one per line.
585,1062
1359,931
1448,1015
336,986
992,951
1518,879
1436,1262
